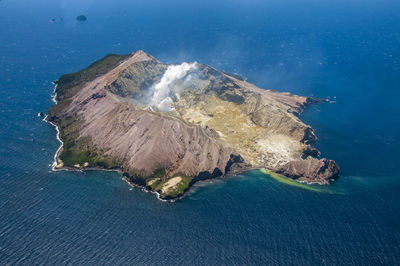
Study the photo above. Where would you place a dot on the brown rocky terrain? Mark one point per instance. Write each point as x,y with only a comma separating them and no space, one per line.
167,126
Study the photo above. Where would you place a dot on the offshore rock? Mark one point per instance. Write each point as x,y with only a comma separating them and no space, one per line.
81,18
310,170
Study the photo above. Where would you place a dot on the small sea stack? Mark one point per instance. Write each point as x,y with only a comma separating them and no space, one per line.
81,18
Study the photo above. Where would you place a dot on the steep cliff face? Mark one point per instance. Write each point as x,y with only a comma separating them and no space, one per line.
310,170
167,126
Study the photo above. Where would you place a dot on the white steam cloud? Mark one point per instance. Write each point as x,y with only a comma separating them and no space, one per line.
162,90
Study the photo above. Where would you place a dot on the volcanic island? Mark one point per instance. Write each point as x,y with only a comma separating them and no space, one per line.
167,126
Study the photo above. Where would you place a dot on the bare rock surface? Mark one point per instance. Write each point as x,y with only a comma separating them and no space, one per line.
310,170
156,122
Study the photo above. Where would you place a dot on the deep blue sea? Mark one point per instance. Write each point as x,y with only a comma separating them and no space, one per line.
348,51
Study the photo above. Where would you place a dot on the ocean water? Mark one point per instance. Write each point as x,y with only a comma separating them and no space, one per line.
348,51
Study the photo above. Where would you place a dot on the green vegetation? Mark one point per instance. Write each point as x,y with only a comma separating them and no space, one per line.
180,188
155,179
137,173
288,181
153,183
78,150
80,153
157,184
160,173
68,84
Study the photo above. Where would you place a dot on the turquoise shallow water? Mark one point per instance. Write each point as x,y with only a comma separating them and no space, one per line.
348,51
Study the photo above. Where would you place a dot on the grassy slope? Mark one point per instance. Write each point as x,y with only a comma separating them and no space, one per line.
68,84
177,191
78,150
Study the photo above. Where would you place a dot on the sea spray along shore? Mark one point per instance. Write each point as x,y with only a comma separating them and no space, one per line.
165,127
54,99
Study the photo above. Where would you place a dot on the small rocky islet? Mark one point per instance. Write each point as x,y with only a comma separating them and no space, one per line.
81,18
167,126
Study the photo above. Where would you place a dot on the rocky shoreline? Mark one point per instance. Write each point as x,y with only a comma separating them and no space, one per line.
58,166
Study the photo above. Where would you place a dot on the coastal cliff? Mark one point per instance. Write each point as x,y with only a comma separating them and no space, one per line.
167,126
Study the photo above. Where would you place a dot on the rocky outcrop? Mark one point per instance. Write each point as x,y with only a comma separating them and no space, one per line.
168,126
81,18
310,170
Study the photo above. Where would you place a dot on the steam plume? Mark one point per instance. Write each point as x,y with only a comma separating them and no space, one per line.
161,97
